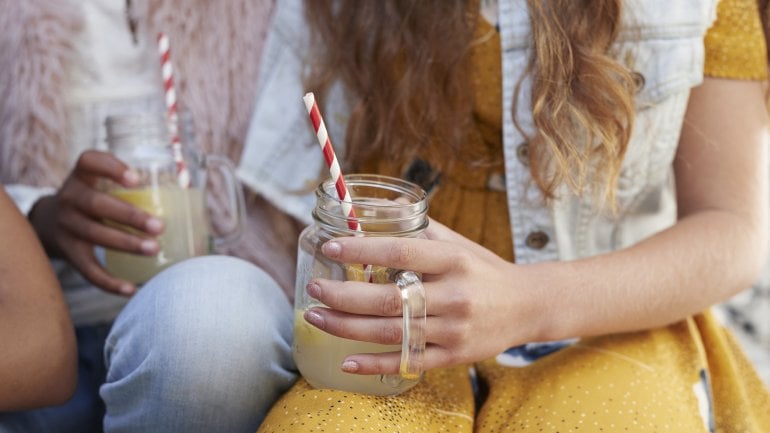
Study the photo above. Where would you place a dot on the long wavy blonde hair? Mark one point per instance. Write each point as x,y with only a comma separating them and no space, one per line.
406,63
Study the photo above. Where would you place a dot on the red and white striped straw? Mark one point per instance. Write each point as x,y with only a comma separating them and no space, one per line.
331,160
167,72
334,168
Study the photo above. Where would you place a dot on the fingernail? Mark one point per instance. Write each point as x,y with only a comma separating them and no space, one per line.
130,176
313,289
149,246
314,319
331,249
350,366
127,289
154,225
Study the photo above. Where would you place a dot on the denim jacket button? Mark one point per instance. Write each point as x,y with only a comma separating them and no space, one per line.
522,153
496,182
639,80
537,240
421,173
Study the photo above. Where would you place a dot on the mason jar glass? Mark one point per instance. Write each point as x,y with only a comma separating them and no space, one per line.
382,206
142,141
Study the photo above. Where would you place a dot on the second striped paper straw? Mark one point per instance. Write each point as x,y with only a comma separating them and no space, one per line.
167,72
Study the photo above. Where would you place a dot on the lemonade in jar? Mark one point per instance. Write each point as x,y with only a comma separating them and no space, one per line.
142,142
383,206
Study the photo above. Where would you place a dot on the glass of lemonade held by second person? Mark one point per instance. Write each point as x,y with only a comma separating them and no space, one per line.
142,142
383,206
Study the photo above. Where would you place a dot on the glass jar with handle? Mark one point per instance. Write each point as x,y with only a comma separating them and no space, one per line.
383,206
143,143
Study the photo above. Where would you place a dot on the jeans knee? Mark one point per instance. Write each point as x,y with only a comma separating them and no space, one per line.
212,312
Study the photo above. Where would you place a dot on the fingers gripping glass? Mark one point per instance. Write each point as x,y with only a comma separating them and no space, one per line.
385,207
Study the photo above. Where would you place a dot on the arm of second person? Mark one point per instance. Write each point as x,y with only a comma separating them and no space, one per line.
38,366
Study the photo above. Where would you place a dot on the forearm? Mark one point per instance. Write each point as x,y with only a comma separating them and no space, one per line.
40,369
702,260
716,248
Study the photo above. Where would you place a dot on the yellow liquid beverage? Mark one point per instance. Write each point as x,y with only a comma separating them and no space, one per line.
319,356
186,232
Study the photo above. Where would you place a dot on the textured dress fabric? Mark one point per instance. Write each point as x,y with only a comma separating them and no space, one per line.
690,376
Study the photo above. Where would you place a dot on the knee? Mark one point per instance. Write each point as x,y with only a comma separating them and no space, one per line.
216,284
208,310
212,336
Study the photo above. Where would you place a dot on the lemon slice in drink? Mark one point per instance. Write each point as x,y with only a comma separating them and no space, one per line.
379,274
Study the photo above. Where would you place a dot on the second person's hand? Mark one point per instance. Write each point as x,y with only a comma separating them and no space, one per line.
71,222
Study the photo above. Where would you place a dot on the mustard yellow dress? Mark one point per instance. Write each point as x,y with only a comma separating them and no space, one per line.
688,377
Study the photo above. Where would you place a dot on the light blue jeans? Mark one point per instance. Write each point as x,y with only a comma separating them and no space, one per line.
205,346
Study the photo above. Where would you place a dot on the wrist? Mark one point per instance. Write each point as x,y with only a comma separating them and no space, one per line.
549,311
41,217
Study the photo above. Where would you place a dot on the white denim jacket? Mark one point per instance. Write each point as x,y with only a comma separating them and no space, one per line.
662,41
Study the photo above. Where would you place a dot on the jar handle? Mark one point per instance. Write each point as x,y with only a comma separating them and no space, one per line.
236,202
414,319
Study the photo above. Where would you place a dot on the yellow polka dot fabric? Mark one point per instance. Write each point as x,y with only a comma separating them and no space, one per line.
654,381
735,44
687,377
441,403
